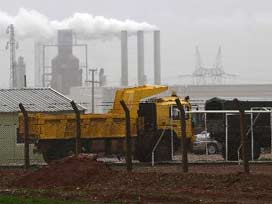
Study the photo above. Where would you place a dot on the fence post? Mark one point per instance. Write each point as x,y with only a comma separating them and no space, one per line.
128,136
244,139
26,136
78,130
183,136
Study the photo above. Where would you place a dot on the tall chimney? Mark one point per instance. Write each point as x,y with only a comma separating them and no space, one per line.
124,58
157,58
65,42
140,48
20,71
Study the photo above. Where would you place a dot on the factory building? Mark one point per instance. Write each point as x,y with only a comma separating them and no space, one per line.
104,96
65,66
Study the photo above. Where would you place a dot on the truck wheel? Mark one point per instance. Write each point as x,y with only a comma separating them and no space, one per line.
142,147
212,148
142,154
58,151
145,144
51,155
163,150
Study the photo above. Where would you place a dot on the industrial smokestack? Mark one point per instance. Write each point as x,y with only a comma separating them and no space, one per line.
124,58
140,48
20,71
65,42
157,58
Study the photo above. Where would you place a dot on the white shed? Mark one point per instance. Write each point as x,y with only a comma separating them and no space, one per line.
44,100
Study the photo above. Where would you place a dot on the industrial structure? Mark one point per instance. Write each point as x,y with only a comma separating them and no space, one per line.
203,75
157,57
140,58
38,64
64,72
98,99
65,66
124,58
102,78
140,48
12,45
17,77
20,73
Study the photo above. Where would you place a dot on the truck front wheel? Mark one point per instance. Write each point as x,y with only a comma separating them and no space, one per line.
147,141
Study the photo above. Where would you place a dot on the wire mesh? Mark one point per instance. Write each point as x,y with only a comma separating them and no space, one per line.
218,137
206,148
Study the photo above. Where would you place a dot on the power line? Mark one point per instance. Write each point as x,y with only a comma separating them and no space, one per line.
213,75
93,82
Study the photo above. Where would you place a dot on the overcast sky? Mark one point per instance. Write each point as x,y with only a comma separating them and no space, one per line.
243,28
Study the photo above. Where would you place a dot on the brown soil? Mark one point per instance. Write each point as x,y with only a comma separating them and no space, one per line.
85,178
70,171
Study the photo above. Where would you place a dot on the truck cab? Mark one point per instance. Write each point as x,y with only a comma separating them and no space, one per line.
160,117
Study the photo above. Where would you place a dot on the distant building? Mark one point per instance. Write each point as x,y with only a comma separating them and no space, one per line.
104,96
102,77
65,66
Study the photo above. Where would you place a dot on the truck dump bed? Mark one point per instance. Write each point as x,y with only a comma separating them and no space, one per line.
109,125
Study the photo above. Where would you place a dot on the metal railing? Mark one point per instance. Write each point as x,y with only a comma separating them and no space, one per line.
155,147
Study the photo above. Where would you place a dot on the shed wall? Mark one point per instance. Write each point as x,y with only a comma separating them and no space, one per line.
12,152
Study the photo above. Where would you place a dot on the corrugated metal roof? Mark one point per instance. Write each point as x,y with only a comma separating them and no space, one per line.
34,100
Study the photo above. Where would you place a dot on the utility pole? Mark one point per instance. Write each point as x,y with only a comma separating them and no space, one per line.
12,45
93,82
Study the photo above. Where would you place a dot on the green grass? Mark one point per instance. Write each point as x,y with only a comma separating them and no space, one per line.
13,199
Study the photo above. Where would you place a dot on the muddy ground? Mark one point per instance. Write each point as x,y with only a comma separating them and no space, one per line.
86,179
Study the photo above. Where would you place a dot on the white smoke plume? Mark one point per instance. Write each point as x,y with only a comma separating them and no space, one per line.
32,24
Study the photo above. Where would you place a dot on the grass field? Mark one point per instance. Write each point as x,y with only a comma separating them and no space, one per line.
13,199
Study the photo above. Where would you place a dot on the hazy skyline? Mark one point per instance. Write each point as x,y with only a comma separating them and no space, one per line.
241,27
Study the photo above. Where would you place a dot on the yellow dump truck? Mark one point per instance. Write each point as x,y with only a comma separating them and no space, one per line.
54,135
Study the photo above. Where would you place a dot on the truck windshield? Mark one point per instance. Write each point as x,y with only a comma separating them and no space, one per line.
175,113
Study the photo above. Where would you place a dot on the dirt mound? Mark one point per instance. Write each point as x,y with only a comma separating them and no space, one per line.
70,171
83,178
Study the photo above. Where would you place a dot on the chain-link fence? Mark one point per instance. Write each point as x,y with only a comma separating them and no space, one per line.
217,136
